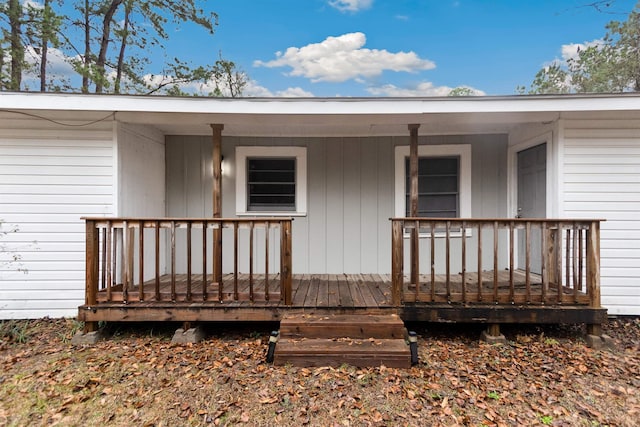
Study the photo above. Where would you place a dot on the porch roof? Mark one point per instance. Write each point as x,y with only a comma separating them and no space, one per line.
324,116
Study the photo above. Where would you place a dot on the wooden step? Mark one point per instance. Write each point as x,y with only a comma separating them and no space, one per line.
393,353
338,326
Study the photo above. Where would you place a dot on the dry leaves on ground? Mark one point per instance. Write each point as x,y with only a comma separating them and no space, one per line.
544,376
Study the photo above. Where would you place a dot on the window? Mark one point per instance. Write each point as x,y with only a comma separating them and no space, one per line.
271,184
444,181
438,187
271,180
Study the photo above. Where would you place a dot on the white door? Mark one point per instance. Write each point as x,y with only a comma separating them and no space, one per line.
532,196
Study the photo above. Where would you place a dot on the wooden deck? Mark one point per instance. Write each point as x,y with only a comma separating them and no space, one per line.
335,294
440,281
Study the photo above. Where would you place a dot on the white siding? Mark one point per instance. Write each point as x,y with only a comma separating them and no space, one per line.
601,179
50,176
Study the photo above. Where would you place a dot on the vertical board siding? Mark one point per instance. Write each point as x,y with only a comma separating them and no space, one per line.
350,184
50,176
141,180
602,180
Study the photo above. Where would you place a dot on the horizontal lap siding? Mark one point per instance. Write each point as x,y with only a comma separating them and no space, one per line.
601,179
50,176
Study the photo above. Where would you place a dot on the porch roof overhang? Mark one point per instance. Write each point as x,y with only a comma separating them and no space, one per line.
323,116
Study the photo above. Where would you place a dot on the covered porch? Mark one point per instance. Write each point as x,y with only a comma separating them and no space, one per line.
368,217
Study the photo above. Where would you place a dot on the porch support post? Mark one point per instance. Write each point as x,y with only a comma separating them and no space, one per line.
413,197
217,200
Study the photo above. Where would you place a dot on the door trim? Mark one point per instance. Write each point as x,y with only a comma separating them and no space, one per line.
512,170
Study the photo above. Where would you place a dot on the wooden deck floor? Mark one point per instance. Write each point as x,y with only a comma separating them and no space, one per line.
345,290
309,291
335,294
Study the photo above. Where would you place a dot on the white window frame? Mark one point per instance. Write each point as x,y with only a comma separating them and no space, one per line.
463,151
300,154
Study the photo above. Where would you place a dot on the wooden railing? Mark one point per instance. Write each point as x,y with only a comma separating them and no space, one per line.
479,261
181,259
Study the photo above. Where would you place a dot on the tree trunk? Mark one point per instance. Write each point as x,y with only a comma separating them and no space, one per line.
17,50
123,46
87,48
46,29
104,43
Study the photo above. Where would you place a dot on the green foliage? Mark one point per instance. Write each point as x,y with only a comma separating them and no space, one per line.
546,420
108,44
461,91
610,66
493,395
14,331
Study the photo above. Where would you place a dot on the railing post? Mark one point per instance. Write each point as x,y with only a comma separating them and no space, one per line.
91,273
593,273
551,255
217,256
217,202
285,261
397,261
593,264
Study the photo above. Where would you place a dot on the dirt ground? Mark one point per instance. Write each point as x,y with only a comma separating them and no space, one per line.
543,376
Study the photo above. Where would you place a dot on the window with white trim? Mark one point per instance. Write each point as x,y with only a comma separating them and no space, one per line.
271,180
444,181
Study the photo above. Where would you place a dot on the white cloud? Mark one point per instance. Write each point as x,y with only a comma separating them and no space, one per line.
350,5
30,4
422,89
59,68
337,59
294,92
570,51
253,89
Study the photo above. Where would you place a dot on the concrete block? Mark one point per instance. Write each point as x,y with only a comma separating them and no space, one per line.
190,336
594,341
90,338
598,342
608,341
492,339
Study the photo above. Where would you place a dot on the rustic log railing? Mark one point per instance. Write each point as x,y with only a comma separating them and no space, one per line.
487,273
126,258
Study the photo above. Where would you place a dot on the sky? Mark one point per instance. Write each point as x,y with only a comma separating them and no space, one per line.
361,48
377,48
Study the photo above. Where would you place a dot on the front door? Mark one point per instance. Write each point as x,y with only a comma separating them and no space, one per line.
532,196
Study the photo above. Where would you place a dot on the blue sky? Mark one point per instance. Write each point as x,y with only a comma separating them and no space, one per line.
394,47
361,48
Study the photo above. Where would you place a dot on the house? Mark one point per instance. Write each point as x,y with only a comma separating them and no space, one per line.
123,199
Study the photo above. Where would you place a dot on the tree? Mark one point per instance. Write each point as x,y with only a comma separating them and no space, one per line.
610,66
109,44
16,50
229,80
462,91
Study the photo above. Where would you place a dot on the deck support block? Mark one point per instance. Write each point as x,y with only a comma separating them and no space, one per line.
596,339
189,336
599,342
492,335
89,338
